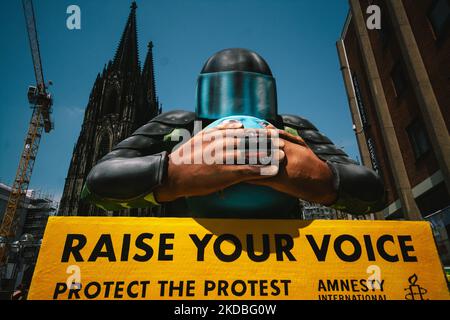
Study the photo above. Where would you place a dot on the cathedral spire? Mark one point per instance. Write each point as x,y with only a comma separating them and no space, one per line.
126,58
148,77
119,103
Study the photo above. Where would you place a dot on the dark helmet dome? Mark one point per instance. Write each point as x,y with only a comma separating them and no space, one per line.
236,60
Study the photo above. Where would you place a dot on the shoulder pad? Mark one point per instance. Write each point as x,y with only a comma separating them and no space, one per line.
154,129
138,142
175,118
329,149
121,153
298,122
313,136
338,159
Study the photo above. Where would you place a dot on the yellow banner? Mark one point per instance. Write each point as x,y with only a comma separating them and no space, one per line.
171,258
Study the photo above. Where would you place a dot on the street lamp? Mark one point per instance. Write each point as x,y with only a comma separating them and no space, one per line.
26,238
18,247
15,246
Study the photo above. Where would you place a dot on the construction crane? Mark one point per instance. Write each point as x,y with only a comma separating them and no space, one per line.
41,103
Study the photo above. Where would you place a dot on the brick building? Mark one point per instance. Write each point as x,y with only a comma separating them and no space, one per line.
397,80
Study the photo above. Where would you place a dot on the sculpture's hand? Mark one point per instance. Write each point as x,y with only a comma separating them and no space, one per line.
192,173
302,174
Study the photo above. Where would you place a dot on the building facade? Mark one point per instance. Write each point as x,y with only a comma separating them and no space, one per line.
23,249
315,211
21,214
122,99
40,207
397,80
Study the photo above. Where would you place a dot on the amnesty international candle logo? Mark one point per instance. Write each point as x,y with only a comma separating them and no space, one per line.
415,291
207,259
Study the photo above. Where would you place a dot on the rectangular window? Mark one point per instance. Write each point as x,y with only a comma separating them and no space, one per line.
373,155
439,16
418,138
399,79
361,108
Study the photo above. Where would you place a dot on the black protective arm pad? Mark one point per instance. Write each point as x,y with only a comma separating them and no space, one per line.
127,178
360,190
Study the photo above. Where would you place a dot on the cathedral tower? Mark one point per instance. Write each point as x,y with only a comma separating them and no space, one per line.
122,99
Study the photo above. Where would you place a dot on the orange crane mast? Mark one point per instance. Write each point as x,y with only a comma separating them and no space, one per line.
41,102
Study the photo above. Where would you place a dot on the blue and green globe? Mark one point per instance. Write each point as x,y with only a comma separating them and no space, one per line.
243,200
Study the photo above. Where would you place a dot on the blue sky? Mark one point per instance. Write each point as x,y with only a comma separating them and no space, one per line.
296,37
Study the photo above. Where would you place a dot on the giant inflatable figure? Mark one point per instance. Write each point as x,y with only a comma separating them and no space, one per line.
235,91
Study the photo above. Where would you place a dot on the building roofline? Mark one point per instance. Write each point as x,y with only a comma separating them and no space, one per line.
346,24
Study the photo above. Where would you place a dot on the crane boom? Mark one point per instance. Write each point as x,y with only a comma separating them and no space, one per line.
41,102
34,43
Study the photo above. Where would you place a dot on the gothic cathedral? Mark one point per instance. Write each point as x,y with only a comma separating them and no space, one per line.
123,98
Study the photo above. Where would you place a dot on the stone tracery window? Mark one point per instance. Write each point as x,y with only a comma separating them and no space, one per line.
104,146
111,103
